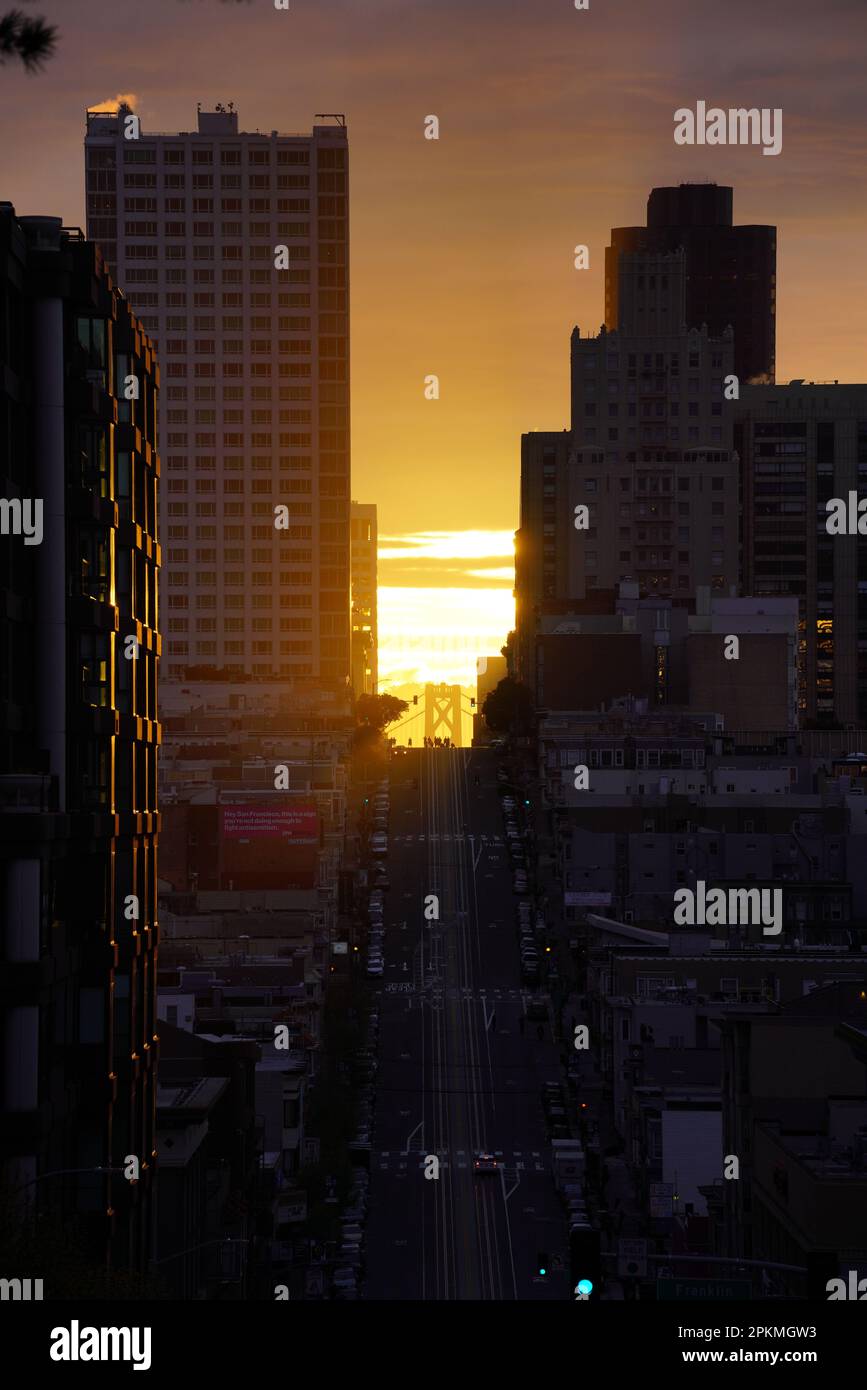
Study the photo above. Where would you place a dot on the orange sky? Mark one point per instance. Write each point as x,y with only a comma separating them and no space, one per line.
555,124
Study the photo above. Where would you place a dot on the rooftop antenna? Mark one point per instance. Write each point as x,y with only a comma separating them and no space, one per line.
337,116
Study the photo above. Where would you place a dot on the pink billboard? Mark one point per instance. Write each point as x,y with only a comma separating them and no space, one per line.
298,822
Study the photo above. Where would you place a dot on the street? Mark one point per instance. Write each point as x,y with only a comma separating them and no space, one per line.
460,1069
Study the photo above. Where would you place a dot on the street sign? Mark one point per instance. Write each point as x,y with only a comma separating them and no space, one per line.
661,1199
292,1206
711,1289
632,1258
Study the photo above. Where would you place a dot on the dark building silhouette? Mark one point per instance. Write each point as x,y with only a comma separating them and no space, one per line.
644,487
730,270
800,446
79,646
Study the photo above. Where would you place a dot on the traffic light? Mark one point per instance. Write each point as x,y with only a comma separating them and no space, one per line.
585,1260
542,1265
415,699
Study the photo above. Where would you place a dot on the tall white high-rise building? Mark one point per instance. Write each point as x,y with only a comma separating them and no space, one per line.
233,248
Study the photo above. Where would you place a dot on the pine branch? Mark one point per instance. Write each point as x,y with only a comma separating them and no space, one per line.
31,41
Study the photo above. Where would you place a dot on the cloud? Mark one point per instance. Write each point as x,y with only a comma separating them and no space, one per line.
449,545
109,104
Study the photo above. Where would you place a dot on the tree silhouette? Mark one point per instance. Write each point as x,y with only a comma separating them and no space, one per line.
377,711
509,708
31,41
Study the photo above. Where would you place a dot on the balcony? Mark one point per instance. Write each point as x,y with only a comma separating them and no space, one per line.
23,793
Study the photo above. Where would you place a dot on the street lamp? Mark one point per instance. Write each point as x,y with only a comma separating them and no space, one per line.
62,1172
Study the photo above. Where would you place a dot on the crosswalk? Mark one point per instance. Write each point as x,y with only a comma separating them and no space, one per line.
401,1163
436,992
483,840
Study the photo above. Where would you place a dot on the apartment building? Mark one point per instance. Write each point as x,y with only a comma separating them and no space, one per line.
644,486
800,445
794,1109
234,247
730,269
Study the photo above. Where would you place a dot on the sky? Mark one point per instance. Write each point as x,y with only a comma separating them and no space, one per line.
554,124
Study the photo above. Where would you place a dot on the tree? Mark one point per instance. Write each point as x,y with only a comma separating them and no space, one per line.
509,708
366,741
31,41
378,711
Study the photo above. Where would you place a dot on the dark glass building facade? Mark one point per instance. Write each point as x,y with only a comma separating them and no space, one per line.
79,738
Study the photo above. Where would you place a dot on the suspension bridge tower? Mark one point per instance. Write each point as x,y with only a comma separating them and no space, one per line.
442,712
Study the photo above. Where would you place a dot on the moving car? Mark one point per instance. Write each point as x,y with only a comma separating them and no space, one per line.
484,1162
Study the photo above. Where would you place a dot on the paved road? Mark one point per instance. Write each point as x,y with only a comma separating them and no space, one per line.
456,1073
